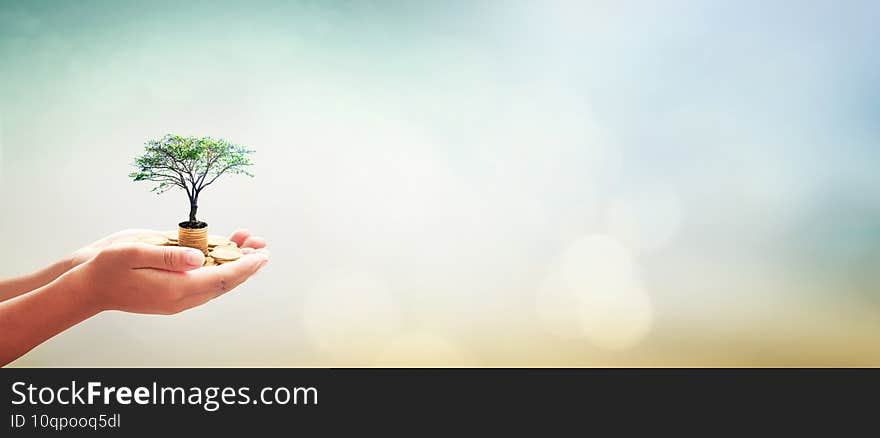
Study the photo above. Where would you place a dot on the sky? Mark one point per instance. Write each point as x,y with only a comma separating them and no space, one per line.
555,183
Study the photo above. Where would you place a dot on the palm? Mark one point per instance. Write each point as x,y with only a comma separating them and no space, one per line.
242,238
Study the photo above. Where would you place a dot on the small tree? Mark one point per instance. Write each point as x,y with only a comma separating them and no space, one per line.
190,163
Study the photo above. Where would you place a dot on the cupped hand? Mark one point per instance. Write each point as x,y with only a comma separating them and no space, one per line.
143,278
241,237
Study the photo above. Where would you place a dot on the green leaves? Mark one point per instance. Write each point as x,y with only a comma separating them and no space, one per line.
189,163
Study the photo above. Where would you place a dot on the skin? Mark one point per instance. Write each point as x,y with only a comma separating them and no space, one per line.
113,275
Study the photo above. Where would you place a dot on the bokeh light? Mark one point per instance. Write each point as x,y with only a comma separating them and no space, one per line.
422,349
646,220
596,293
350,314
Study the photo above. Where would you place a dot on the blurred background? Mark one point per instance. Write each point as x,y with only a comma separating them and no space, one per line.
467,183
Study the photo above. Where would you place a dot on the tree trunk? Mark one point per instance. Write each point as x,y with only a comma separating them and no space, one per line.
192,212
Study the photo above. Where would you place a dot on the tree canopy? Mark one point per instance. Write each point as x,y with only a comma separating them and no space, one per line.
190,163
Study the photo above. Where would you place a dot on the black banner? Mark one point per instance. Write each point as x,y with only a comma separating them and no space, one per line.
123,402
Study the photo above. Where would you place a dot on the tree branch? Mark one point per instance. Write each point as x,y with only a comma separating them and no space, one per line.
211,162
216,176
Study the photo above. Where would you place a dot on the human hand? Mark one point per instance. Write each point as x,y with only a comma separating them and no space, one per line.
241,237
142,278
248,243
114,275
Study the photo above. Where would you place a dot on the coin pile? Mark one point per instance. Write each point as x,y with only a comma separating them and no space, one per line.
220,249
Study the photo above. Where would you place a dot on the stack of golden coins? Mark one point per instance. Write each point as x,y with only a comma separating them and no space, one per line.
193,238
219,250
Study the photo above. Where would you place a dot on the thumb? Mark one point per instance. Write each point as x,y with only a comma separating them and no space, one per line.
169,258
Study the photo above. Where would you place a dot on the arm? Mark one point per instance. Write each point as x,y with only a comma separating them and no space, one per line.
131,277
14,287
31,318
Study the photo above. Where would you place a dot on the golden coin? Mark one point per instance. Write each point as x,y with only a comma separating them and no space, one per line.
215,240
209,261
225,253
171,235
153,239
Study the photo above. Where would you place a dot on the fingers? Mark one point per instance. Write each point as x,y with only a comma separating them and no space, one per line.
215,281
247,250
239,236
169,258
177,291
254,242
243,239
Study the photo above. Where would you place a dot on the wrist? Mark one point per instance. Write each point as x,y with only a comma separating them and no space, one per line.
67,263
86,297
55,270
